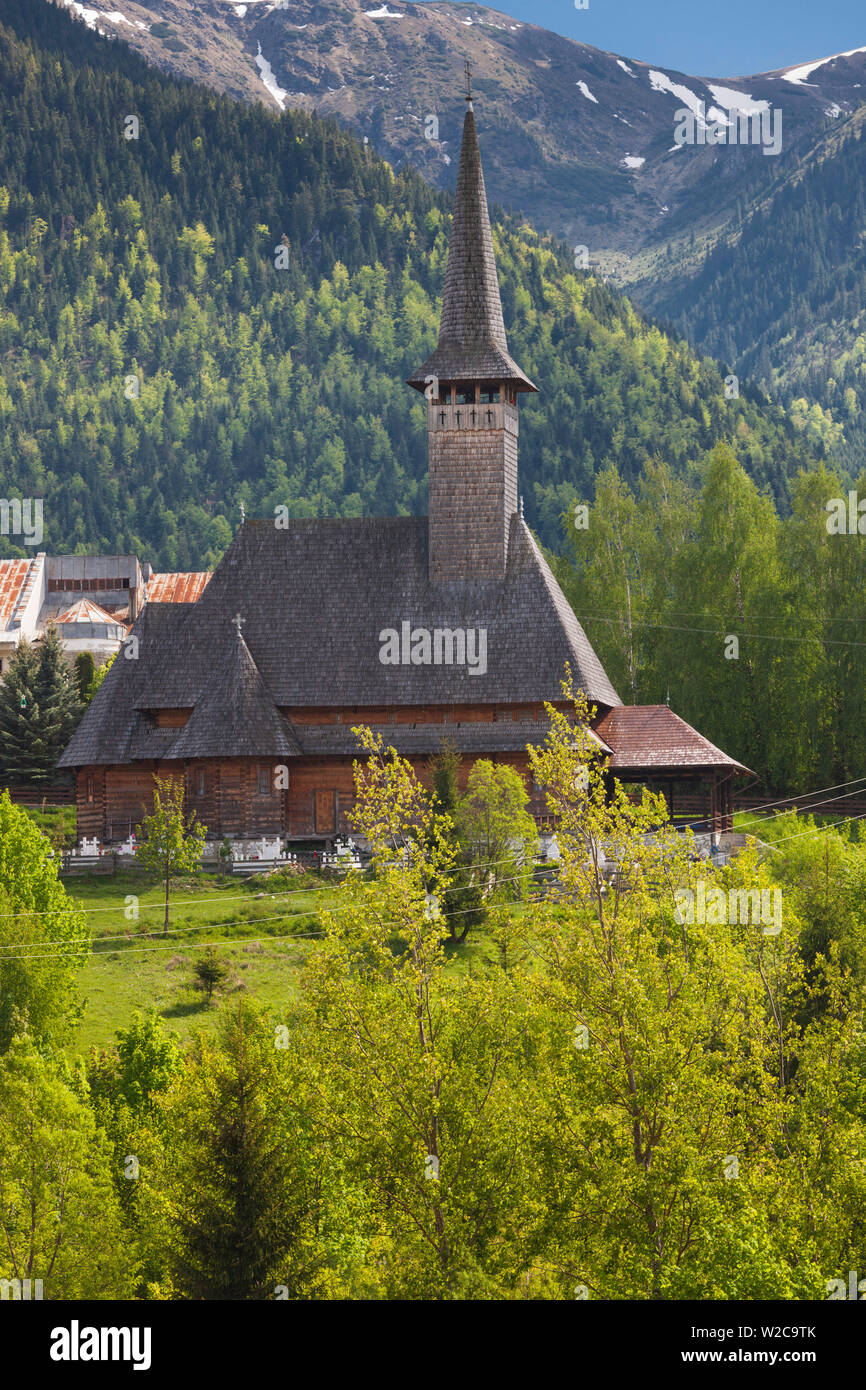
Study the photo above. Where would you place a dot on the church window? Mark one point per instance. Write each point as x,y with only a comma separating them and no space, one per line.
264,781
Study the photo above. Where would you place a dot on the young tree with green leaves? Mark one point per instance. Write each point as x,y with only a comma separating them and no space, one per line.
99,676
416,1061
170,842
493,821
59,1216
667,1133
45,939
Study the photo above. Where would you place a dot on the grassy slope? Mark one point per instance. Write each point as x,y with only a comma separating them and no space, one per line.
145,971
141,970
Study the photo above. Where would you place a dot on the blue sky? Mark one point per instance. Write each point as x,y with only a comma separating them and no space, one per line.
720,38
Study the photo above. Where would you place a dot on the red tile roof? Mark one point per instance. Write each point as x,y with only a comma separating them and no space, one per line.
652,738
13,573
177,588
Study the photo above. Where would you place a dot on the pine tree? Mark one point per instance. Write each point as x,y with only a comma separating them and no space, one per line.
57,708
234,1176
18,715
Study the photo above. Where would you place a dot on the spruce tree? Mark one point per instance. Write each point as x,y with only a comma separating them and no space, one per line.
18,715
236,1194
57,708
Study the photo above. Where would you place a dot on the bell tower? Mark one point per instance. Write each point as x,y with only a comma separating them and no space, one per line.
472,384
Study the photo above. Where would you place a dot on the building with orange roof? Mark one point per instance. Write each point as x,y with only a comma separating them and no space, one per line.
92,599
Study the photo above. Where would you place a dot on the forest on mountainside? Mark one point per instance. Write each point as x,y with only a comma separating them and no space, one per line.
225,309
785,302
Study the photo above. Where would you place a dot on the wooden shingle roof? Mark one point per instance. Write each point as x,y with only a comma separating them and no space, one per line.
472,343
651,738
315,598
236,713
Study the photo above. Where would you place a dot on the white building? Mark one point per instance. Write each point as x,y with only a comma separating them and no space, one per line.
93,600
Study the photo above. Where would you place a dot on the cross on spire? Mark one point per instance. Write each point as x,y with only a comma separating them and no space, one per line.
238,623
467,68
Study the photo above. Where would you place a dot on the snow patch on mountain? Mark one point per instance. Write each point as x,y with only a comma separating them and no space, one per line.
660,82
586,92
737,101
90,16
799,75
383,13
267,75
633,161
625,67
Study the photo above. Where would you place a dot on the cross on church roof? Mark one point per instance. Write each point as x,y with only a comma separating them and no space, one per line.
467,67
238,622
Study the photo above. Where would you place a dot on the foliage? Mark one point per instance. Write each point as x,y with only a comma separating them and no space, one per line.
44,938
170,843
415,1073
58,1212
666,574
99,676
210,973
233,1193
84,669
158,368
492,818
39,709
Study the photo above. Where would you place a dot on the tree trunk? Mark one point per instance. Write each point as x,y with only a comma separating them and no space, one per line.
165,924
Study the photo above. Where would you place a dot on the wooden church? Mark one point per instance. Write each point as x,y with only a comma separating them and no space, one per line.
449,627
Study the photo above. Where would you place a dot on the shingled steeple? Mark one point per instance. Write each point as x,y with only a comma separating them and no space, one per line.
471,382
472,343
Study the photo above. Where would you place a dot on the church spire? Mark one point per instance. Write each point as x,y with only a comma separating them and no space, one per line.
472,342
471,383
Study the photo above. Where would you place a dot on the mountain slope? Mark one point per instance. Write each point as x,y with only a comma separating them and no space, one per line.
783,297
227,308
580,141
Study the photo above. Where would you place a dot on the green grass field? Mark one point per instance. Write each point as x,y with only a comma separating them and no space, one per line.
52,819
134,967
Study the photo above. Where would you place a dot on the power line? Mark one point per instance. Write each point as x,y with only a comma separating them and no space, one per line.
197,902
234,941
752,816
717,632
